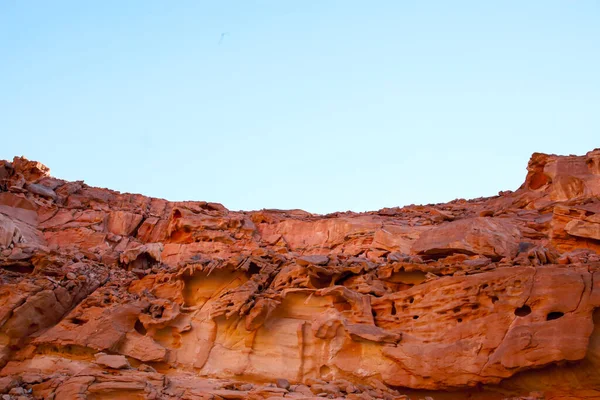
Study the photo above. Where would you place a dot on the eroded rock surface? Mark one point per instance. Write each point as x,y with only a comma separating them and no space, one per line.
105,295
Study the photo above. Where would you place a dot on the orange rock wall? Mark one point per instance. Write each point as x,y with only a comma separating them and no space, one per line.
110,295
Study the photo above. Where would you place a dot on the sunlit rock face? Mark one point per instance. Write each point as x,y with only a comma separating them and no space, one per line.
106,295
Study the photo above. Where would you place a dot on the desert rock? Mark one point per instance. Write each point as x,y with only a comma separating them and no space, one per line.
115,295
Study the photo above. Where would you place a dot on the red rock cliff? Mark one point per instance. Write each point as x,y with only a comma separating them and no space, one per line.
106,295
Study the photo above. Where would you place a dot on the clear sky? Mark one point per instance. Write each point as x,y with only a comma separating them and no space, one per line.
313,104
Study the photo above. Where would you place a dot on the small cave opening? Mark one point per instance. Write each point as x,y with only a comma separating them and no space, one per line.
324,371
156,311
596,316
415,317
459,320
139,327
393,308
411,300
253,269
142,262
341,304
525,246
320,281
341,280
538,180
19,268
554,315
77,321
494,299
408,277
523,311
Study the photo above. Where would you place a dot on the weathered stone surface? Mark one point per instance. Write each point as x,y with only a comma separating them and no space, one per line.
491,237
109,295
585,229
9,233
576,226
115,361
41,190
314,259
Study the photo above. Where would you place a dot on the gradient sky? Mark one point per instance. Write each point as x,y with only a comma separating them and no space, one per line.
313,104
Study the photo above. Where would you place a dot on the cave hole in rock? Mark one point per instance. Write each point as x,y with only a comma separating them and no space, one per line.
525,246
494,299
341,304
410,278
77,321
19,268
139,327
142,262
554,315
320,281
253,269
523,311
411,300
459,320
415,317
341,280
538,180
156,311
393,308
324,371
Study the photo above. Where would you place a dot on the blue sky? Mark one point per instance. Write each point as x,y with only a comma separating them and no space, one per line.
320,105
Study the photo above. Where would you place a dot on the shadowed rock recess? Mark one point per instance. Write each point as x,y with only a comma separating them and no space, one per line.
105,295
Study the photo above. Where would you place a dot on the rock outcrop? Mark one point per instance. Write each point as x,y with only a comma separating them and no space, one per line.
105,295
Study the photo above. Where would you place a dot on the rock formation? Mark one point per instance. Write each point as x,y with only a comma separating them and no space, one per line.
105,295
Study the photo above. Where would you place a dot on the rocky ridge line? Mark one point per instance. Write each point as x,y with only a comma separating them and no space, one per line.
107,295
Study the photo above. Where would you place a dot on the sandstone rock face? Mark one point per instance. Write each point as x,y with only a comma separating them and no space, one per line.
490,237
106,295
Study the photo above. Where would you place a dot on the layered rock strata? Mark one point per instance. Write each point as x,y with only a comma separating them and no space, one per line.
105,295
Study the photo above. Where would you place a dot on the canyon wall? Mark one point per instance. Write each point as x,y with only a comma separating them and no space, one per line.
105,295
